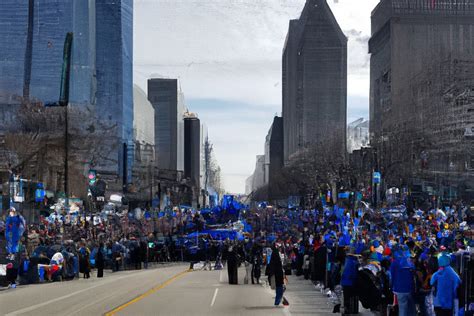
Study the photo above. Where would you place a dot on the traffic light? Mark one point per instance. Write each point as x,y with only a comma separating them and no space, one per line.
92,176
98,188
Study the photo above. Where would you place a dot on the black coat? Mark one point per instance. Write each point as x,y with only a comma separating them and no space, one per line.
320,260
276,268
99,259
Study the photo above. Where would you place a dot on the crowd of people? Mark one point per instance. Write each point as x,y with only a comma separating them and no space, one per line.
64,245
397,260
410,262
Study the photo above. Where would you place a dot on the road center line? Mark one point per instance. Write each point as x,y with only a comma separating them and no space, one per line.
214,297
151,291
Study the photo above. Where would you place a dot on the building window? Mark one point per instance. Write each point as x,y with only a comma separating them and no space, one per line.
470,162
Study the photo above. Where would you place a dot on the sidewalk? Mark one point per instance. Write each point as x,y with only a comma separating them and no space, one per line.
305,299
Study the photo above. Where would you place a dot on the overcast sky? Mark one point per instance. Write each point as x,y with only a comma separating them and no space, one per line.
227,55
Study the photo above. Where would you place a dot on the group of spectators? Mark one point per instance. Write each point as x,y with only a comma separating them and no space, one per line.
65,246
391,261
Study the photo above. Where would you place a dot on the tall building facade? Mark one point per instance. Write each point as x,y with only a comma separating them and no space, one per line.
32,33
421,95
268,166
192,150
168,101
204,183
276,156
38,65
114,67
314,82
258,179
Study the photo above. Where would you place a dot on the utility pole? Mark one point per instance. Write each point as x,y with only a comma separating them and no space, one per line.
28,52
64,101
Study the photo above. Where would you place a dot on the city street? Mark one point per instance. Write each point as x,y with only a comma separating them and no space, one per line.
169,290
324,146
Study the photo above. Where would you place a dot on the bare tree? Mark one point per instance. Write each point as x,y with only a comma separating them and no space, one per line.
311,171
35,144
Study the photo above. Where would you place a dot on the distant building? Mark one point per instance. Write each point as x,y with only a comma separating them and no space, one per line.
144,146
314,82
248,185
276,156
268,166
192,154
204,177
421,93
143,127
357,134
258,179
166,97
143,117
114,72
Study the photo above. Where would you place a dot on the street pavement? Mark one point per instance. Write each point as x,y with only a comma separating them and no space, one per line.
167,290
84,297
207,293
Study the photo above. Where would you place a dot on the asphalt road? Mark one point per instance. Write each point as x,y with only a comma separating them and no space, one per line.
161,291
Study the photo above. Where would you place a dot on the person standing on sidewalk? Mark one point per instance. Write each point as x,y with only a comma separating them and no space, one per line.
348,283
276,271
99,261
256,261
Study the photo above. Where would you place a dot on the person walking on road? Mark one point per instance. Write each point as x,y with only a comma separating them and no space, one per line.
276,271
232,265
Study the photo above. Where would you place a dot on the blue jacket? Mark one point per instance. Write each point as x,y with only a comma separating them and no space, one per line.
403,280
349,275
446,282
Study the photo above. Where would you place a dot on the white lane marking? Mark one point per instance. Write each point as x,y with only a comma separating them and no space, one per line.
221,276
33,307
214,297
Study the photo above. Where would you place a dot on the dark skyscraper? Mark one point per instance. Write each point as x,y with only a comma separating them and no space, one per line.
192,150
167,99
276,155
421,98
315,82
